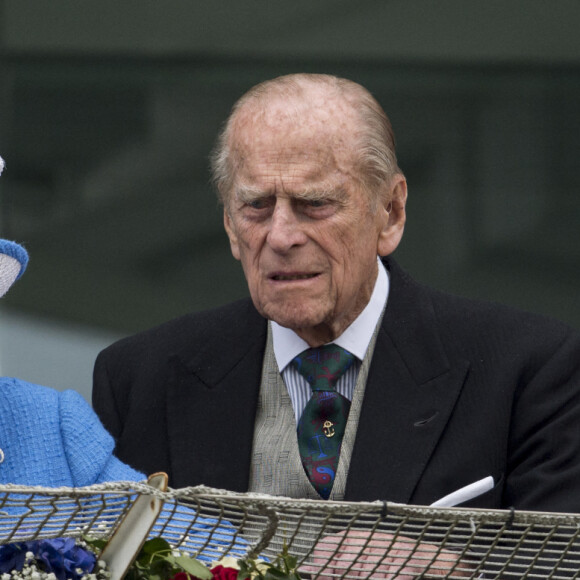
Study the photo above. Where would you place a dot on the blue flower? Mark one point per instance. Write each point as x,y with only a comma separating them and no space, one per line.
12,556
64,557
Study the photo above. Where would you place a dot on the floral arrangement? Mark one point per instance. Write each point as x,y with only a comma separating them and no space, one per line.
58,559
76,559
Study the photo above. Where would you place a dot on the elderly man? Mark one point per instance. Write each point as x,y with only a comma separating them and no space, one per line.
342,377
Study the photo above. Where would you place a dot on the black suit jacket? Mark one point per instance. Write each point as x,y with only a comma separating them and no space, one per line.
457,390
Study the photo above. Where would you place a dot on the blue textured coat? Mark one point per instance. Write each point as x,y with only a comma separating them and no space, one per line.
54,438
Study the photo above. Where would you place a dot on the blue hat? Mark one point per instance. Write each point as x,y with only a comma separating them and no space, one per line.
16,252
13,259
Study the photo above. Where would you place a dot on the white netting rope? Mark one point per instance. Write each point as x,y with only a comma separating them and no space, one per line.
210,523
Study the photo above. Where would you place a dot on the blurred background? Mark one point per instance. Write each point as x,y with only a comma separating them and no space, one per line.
108,111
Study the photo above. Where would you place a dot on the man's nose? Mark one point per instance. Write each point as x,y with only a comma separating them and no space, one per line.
286,231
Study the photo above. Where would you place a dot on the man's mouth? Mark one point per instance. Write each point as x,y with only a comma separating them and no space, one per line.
287,277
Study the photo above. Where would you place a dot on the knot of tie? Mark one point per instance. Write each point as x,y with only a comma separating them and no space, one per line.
323,366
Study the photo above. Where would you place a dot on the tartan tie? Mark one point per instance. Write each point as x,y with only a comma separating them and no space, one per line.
323,421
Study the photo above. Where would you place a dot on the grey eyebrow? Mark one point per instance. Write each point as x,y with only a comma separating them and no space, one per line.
248,193
322,193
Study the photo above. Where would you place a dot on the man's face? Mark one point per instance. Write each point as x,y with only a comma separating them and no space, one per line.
302,226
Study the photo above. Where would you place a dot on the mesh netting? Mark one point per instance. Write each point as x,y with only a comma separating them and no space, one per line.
330,539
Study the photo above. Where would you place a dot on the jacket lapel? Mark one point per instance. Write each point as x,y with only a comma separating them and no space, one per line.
211,404
410,394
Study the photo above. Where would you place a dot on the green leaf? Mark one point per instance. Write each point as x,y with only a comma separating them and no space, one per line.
154,546
96,544
275,574
160,565
246,570
193,567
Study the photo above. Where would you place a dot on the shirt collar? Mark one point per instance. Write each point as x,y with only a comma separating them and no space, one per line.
355,339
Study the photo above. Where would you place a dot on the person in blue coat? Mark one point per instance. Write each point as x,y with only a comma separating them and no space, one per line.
54,439
49,437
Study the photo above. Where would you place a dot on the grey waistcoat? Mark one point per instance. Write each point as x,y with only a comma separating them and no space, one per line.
276,465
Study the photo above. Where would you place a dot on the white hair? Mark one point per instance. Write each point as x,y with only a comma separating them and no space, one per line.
374,148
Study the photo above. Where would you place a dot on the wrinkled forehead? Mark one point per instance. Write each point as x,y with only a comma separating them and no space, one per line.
318,126
315,105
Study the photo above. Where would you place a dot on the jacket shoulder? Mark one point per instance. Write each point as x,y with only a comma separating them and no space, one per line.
193,328
224,328
468,325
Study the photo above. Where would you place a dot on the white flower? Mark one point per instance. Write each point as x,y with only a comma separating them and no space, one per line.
230,562
226,562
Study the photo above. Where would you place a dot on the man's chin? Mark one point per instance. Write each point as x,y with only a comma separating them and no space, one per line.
313,329
295,319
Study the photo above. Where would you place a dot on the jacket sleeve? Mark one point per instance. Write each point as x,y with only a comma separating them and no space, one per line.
543,472
88,446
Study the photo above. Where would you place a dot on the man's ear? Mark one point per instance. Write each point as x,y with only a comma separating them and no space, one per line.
231,231
394,216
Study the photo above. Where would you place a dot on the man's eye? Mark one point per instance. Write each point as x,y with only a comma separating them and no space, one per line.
257,204
317,203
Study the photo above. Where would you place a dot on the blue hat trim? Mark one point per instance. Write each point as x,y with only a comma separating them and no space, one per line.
15,251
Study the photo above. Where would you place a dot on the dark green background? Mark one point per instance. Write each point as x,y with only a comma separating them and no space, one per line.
108,111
